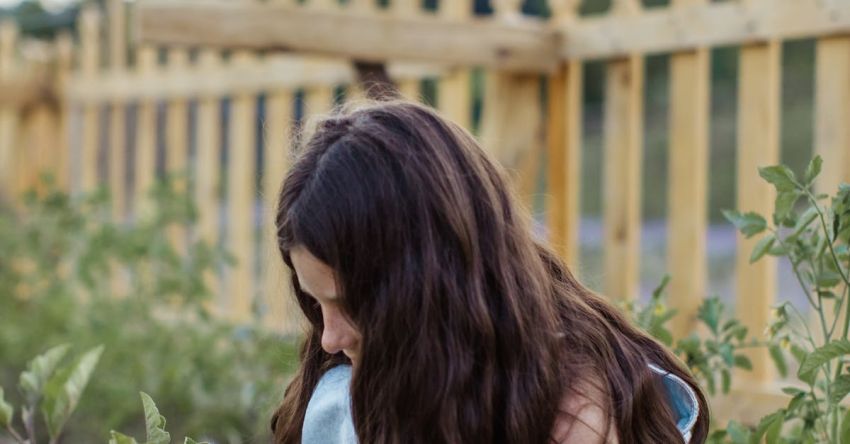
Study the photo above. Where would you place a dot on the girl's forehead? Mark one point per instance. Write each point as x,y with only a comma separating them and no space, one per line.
314,276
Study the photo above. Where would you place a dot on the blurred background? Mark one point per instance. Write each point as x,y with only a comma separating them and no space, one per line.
138,180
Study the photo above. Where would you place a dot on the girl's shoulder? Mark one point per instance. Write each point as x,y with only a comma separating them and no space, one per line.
582,416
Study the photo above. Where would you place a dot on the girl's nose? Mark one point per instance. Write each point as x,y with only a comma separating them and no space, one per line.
338,334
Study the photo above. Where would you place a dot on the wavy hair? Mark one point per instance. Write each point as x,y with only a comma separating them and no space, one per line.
472,331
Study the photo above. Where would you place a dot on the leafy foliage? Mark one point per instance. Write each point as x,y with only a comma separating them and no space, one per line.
814,237
55,389
70,274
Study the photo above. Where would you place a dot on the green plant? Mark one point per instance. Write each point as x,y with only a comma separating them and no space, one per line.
708,358
61,256
51,388
812,232
154,427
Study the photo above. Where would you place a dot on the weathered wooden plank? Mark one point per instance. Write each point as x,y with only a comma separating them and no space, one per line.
177,140
8,113
145,164
758,145
207,167
688,185
89,67
564,160
832,111
241,196
623,154
281,315
266,75
454,89
709,24
514,138
522,45
118,110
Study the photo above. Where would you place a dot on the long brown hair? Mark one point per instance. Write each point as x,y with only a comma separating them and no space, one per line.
472,331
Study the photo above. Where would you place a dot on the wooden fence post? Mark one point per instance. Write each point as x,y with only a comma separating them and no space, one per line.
64,64
516,139
564,135
454,91
208,168
623,129
89,67
118,111
8,113
690,80
409,88
145,164
177,140
282,311
241,197
758,146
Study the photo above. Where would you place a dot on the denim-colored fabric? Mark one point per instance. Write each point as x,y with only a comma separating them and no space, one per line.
328,416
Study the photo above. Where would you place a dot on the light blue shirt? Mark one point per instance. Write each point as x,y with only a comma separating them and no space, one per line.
328,416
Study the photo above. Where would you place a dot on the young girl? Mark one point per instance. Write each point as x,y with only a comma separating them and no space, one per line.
414,264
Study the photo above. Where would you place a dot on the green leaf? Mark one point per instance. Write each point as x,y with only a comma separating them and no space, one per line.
769,425
821,356
840,388
762,247
828,278
778,360
785,203
154,422
6,411
805,219
709,312
738,433
656,294
780,176
845,427
192,441
39,371
749,224
725,380
813,169
743,362
64,390
118,438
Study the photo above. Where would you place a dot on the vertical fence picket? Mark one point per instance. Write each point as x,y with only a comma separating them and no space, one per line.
207,166
145,161
564,135
409,88
454,91
687,216
64,47
8,113
241,197
832,111
623,146
514,138
281,309
758,146
118,111
832,132
177,138
89,69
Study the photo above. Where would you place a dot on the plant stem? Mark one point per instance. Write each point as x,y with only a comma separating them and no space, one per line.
15,434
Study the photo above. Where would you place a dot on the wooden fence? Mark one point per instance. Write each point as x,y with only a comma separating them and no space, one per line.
515,51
